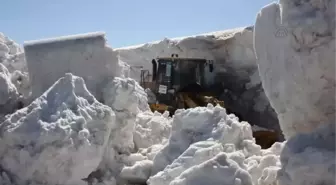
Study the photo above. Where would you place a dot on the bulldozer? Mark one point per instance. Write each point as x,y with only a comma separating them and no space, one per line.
179,83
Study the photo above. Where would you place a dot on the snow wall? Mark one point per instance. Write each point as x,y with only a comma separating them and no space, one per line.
84,55
295,47
235,78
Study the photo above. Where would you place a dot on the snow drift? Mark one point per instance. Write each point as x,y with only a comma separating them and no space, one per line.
49,140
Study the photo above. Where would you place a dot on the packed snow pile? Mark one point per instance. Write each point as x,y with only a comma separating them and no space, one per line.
298,72
11,54
125,94
13,58
9,97
127,98
84,55
151,129
59,138
206,142
235,78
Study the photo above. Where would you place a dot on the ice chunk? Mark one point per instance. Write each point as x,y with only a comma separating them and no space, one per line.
59,138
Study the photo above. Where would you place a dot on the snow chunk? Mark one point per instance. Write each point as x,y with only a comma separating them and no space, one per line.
218,171
198,136
127,98
298,72
189,126
196,154
151,151
125,94
151,128
200,124
8,93
21,81
11,54
59,138
138,173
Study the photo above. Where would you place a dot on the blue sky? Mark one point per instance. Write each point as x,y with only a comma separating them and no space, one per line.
126,22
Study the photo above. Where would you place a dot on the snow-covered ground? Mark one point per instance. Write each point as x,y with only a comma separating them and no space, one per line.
72,127
69,135
49,140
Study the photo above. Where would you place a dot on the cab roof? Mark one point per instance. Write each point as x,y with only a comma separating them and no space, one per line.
183,59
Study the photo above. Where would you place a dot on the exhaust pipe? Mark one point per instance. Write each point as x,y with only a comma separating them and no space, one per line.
154,64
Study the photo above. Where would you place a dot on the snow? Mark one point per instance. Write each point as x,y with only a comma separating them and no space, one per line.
205,137
298,72
79,37
48,140
151,128
217,171
85,55
298,75
309,158
139,172
12,57
11,54
235,69
9,97
95,125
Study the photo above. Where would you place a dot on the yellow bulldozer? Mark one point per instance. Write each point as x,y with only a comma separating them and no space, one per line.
180,83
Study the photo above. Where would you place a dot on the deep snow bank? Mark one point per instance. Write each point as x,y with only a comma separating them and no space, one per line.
85,55
235,76
298,72
51,140
295,48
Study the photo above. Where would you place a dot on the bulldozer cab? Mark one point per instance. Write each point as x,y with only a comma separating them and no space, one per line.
173,74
